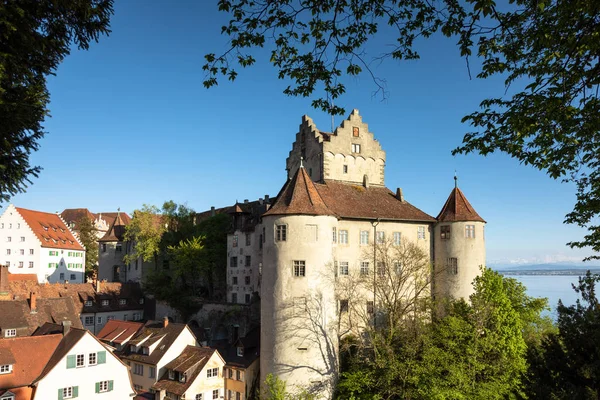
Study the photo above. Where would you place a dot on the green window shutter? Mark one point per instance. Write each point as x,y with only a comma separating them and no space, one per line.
60,394
101,357
75,391
110,386
97,387
71,361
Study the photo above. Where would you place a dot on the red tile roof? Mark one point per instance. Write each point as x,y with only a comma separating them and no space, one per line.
50,229
117,331
116,232
31,354
458,208
299,196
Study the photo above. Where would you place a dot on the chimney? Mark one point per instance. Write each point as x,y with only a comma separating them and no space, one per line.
33,302
260,201
399,194
245,201
4,287
266,198
66,327
212,211
98,287
165,321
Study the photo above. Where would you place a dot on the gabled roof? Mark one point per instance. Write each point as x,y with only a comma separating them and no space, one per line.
17,313
66,344
191,361
250,344
150,333
299,196
116,232
30,354
75,214
50,229
458,208
117,331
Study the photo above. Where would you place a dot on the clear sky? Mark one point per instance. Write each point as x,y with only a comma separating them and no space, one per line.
132,124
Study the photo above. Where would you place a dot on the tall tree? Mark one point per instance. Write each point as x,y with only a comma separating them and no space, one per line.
145,232
89,239
547,51
36,36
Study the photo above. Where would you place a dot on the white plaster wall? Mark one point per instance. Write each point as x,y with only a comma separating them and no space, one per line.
63,260
96,327
86,377
205,385
358,166
293,346
470,254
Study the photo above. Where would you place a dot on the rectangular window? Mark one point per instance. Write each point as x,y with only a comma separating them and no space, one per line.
398,267
345,169
80,360
122,301
68,392
380,237
343,237
8,239
22,252
212,372
334,238
281,233
22,238
73,277
247,298
20,264
364,237
92,359
445,232
248,261
234,280
234,297
10,332
248,239
99,320
343,267
299,268
61,276
104,302
470,231
421,232
370,307
299,306
235,241
102,386
343,306
30,264
8,252
6,369
7,263
381,268
355,131
137,316
118,248
138,369
452,266
198,397
152,372
104,247
233,262
247,280
355,148
30,251
216,394
364,268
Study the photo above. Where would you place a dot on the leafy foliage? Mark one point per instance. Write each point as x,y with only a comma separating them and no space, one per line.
35,37
87,236
145,231
547,52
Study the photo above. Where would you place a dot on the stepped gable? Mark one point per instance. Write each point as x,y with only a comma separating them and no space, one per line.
109,217
50,229
116,232
458,208
299,196
357,201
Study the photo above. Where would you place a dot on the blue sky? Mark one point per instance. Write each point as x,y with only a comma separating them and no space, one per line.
132,124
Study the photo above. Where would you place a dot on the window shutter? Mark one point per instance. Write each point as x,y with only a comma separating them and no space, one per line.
60,394
71,361
97,387
101,357
110,386
75,391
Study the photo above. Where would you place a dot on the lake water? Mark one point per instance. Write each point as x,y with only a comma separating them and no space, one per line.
554,287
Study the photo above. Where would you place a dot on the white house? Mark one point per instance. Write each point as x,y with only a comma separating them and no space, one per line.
195,374
81,367
40,243
152,348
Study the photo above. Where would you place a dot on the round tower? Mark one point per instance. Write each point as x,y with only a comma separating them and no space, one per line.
459,245
298,307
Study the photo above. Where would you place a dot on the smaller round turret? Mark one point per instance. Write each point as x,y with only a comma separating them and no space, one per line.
459,245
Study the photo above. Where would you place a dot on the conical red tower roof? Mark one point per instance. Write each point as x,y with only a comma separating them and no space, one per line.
458,208
299,196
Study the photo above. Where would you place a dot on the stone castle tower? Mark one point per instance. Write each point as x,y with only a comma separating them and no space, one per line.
331,210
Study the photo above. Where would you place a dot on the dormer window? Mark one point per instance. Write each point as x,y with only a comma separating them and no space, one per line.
45,227
171,374
145,351
6,368
181,378
10,332
132,348
122,301
104,302
240,351
141,301
88,303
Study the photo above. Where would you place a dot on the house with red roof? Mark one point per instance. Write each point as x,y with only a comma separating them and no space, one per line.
40,243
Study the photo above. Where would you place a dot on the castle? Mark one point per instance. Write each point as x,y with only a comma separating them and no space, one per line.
299,248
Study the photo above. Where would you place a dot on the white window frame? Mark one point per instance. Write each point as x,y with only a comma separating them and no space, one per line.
67,392
343,236
92,358
380,237
103,387
281,233
299,268
364,238
105,303
10,332
344,268
356,148
5,369
79,357
364,268
87,319
421,232
470,231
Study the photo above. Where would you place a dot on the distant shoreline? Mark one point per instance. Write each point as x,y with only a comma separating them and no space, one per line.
565,272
